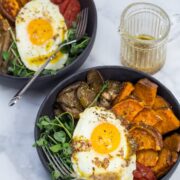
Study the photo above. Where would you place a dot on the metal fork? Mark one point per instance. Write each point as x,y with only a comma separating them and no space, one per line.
80,31
58,165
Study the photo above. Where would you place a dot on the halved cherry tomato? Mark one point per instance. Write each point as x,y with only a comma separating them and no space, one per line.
143,173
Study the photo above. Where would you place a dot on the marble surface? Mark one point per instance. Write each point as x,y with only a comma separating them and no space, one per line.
18,159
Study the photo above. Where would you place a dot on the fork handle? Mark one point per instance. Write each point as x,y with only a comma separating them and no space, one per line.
19,94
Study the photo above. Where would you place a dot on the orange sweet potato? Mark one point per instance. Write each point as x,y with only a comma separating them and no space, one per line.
126,90
148,158
172,142
147,116
146,91
146,137
160,102
169,121
127,109
165,162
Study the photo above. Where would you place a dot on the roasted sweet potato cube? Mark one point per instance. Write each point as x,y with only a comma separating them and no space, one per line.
147,116
169,121
126,90
146,91
160,102
166,159
146,137
148,158
127,109
172,142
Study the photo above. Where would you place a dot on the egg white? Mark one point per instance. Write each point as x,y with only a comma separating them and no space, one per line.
83,160
40,9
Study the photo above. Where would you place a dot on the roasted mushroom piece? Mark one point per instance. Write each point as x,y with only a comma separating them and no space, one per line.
95,80
110,94
68,101
85,95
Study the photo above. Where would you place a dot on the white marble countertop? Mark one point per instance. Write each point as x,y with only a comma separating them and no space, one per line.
18,159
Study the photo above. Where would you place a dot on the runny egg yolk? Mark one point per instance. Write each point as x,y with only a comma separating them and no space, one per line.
105,138
40,31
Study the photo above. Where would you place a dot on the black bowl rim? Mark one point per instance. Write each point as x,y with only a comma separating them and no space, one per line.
39,151
68,67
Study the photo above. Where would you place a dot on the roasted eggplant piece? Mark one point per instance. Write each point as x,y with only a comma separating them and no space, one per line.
110,94
95,80
69,101
85,95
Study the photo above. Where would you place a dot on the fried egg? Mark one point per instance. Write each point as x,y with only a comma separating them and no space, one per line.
101,149
40,28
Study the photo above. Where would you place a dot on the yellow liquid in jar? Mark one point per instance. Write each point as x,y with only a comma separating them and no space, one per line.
141,55
144,37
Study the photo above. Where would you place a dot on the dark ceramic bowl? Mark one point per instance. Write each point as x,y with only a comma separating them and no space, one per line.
14,81
108,72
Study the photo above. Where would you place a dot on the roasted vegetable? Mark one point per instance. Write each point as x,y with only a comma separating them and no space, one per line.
95,80
68,100
9,8
127,109
5,40
110,94
172,142
160,102
148,117
146,91
125,91
85,95
165,162
148,157
143,173
169,121
146,137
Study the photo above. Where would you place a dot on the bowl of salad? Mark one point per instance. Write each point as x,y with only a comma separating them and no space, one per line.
30,32
110,122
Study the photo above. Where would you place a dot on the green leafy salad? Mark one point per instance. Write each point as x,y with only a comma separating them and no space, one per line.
16,67
56,135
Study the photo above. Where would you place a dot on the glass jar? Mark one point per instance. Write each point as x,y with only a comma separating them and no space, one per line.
144,34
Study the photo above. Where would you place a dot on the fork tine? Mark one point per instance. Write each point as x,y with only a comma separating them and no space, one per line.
60,165
79,23
82,23
49,159
54,163
65,167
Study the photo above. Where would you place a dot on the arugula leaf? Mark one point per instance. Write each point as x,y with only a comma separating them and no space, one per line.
55,148
60,136
77,48
41,142
67,149
55,174
5,55
55,134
